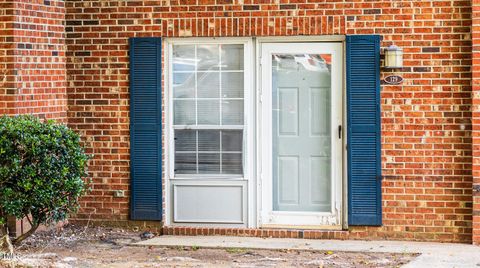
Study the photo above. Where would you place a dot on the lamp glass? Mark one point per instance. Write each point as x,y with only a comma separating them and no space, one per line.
394,58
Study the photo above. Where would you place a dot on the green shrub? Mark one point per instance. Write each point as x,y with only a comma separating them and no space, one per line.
42,171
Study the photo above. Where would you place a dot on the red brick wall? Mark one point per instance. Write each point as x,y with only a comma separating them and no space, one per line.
6,57
36,58
476,118
426,124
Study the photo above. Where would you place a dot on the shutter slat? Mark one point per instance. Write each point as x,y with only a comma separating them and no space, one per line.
364,155
145,129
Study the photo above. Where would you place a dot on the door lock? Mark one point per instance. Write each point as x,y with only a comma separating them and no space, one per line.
339,131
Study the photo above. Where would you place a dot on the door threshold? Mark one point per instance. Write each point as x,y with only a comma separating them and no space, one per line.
303,227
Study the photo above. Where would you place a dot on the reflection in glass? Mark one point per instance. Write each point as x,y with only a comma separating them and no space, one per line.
183,58
232,112
184,85
208,85
232,57
232,84
184,112
208,57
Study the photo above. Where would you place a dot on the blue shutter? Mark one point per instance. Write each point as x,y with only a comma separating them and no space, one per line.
364,151
145,129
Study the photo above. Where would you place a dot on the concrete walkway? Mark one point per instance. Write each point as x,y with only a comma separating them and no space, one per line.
433,255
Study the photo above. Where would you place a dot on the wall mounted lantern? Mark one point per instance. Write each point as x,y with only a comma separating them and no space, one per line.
393,57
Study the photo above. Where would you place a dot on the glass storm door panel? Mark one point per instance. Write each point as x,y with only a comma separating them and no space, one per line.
301,102
301,132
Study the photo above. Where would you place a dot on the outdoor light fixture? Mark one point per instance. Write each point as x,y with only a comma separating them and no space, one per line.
393,57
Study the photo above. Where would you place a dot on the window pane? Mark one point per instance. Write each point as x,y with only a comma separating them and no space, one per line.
232,163
208,112
184,112
209,140
185,140
183,58
184,85
208,85
212,78
208,163
232,85
232,112
232,57
210,148
232,140
185,163
208,57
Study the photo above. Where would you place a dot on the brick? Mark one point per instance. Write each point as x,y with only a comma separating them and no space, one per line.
430,49
251,7
288,6
372,11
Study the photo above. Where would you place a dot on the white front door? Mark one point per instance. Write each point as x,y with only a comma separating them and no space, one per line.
301,117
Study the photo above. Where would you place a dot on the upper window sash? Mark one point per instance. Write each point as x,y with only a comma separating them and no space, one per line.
208,93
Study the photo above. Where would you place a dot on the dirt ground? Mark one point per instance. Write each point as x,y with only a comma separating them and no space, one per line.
75,246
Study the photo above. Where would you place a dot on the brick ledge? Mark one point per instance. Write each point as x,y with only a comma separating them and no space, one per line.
275,233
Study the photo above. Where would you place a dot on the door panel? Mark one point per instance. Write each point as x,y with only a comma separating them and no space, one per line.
320,181
287,111
287,181
301,155
319,105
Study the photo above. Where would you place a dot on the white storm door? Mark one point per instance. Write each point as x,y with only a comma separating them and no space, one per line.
301,140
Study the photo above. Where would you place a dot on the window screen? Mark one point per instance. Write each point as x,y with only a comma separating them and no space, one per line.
208,108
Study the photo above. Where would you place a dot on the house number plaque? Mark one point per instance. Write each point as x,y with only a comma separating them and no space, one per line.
393,79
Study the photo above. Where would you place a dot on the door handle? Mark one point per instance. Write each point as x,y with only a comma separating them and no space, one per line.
339,131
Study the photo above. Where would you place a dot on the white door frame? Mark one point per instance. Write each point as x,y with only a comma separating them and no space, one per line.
267,217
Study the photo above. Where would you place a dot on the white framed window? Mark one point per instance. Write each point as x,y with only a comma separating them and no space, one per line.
209,108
